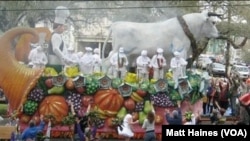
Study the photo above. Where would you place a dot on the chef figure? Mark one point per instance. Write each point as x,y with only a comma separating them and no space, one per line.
97,61
71,68
119,62
87,62
143,64
57,46
158,63
178,66
37,56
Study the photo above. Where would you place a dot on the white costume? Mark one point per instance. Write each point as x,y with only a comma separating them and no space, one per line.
127,131
87,62
143,64
72,56
57,46
158,63
79,56
178,65
37,57
119,62
97,61
32,55
71,67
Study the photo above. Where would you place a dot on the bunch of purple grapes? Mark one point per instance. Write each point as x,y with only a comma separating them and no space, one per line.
36,95
139,106
162,100
76,100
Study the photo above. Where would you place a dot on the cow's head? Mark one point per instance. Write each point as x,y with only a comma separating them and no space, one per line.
208,28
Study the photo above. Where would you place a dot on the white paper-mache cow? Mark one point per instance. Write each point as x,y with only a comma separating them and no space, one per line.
168,34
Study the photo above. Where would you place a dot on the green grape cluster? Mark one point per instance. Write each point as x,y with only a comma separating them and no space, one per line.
30,107
92,86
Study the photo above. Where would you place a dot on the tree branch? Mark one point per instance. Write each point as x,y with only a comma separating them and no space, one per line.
244,41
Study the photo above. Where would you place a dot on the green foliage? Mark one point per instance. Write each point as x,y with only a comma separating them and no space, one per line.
195,95
41,136
117,121
194,80
174,95
145,85
3,109
188,115
68,120
116,82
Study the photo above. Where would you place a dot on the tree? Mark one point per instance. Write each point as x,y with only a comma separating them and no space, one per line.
27,13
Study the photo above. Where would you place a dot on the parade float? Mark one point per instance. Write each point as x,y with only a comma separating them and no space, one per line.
33,92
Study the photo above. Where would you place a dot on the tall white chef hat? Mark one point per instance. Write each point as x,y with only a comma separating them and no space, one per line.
96,50
144,52
176,53
159,50
88,49
121,49
71,48
61,14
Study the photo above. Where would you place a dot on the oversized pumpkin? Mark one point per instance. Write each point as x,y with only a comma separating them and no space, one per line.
108,100
54,105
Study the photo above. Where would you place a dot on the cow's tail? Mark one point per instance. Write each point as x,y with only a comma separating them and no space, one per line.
105,43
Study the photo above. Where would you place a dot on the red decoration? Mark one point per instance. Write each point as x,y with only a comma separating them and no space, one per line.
141,92
86,100
129,104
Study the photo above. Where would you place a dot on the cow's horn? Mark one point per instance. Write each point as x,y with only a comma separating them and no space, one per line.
214,14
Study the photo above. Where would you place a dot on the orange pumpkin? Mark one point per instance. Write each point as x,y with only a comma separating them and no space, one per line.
55,105
108,100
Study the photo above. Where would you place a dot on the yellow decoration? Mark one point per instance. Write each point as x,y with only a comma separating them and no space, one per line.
130,78
98,74
72,71
49,71
153,80
169,75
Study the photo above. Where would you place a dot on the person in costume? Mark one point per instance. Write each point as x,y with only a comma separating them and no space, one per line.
30,133
57,47
127,125
97,61
158,63
143,64
87,62
71,69
178,66
119,63
37,56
